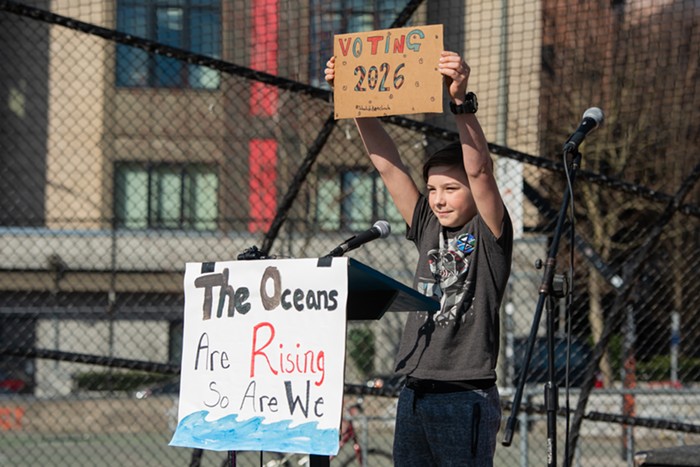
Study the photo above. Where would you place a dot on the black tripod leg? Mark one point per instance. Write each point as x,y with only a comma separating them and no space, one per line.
319,461
196,459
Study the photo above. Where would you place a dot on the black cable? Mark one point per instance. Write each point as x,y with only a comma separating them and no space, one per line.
568,304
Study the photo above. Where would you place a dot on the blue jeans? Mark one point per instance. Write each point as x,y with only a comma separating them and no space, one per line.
452,429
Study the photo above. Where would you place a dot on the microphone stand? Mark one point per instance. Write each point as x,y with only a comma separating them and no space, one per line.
551,391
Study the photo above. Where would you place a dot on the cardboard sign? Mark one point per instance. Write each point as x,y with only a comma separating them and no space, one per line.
263,356
388,72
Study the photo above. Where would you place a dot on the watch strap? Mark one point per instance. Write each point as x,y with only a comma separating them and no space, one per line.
469,106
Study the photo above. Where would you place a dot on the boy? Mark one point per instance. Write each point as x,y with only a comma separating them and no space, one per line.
449,411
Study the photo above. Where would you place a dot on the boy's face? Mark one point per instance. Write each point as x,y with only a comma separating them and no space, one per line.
449,196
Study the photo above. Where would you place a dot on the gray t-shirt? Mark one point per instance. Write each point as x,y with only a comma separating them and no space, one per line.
467,270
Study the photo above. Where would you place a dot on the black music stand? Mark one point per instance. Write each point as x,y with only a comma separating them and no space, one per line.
371,294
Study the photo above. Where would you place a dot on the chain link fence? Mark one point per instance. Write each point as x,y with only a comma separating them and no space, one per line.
138,135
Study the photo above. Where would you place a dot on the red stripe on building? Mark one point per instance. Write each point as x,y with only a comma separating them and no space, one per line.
264,37
262,198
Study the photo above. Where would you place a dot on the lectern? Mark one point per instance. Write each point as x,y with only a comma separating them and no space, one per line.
371,293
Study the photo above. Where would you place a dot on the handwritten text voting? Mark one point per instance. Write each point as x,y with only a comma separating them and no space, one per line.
263,356
388,72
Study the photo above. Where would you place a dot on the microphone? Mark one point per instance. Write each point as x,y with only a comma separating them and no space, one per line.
592,119
380,229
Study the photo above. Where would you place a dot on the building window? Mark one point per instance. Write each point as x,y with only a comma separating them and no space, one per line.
353,199
331,17
165,196
186,24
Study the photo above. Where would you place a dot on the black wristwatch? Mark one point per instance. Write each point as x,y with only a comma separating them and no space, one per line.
469,106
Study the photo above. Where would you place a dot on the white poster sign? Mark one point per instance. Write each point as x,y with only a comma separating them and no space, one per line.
263,356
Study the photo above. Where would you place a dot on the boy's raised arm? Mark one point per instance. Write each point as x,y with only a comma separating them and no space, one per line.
385,158
477,159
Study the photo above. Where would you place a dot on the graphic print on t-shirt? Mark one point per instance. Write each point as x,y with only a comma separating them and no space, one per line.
449,265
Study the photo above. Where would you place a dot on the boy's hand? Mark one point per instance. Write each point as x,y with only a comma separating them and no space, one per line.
330,71
455,72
